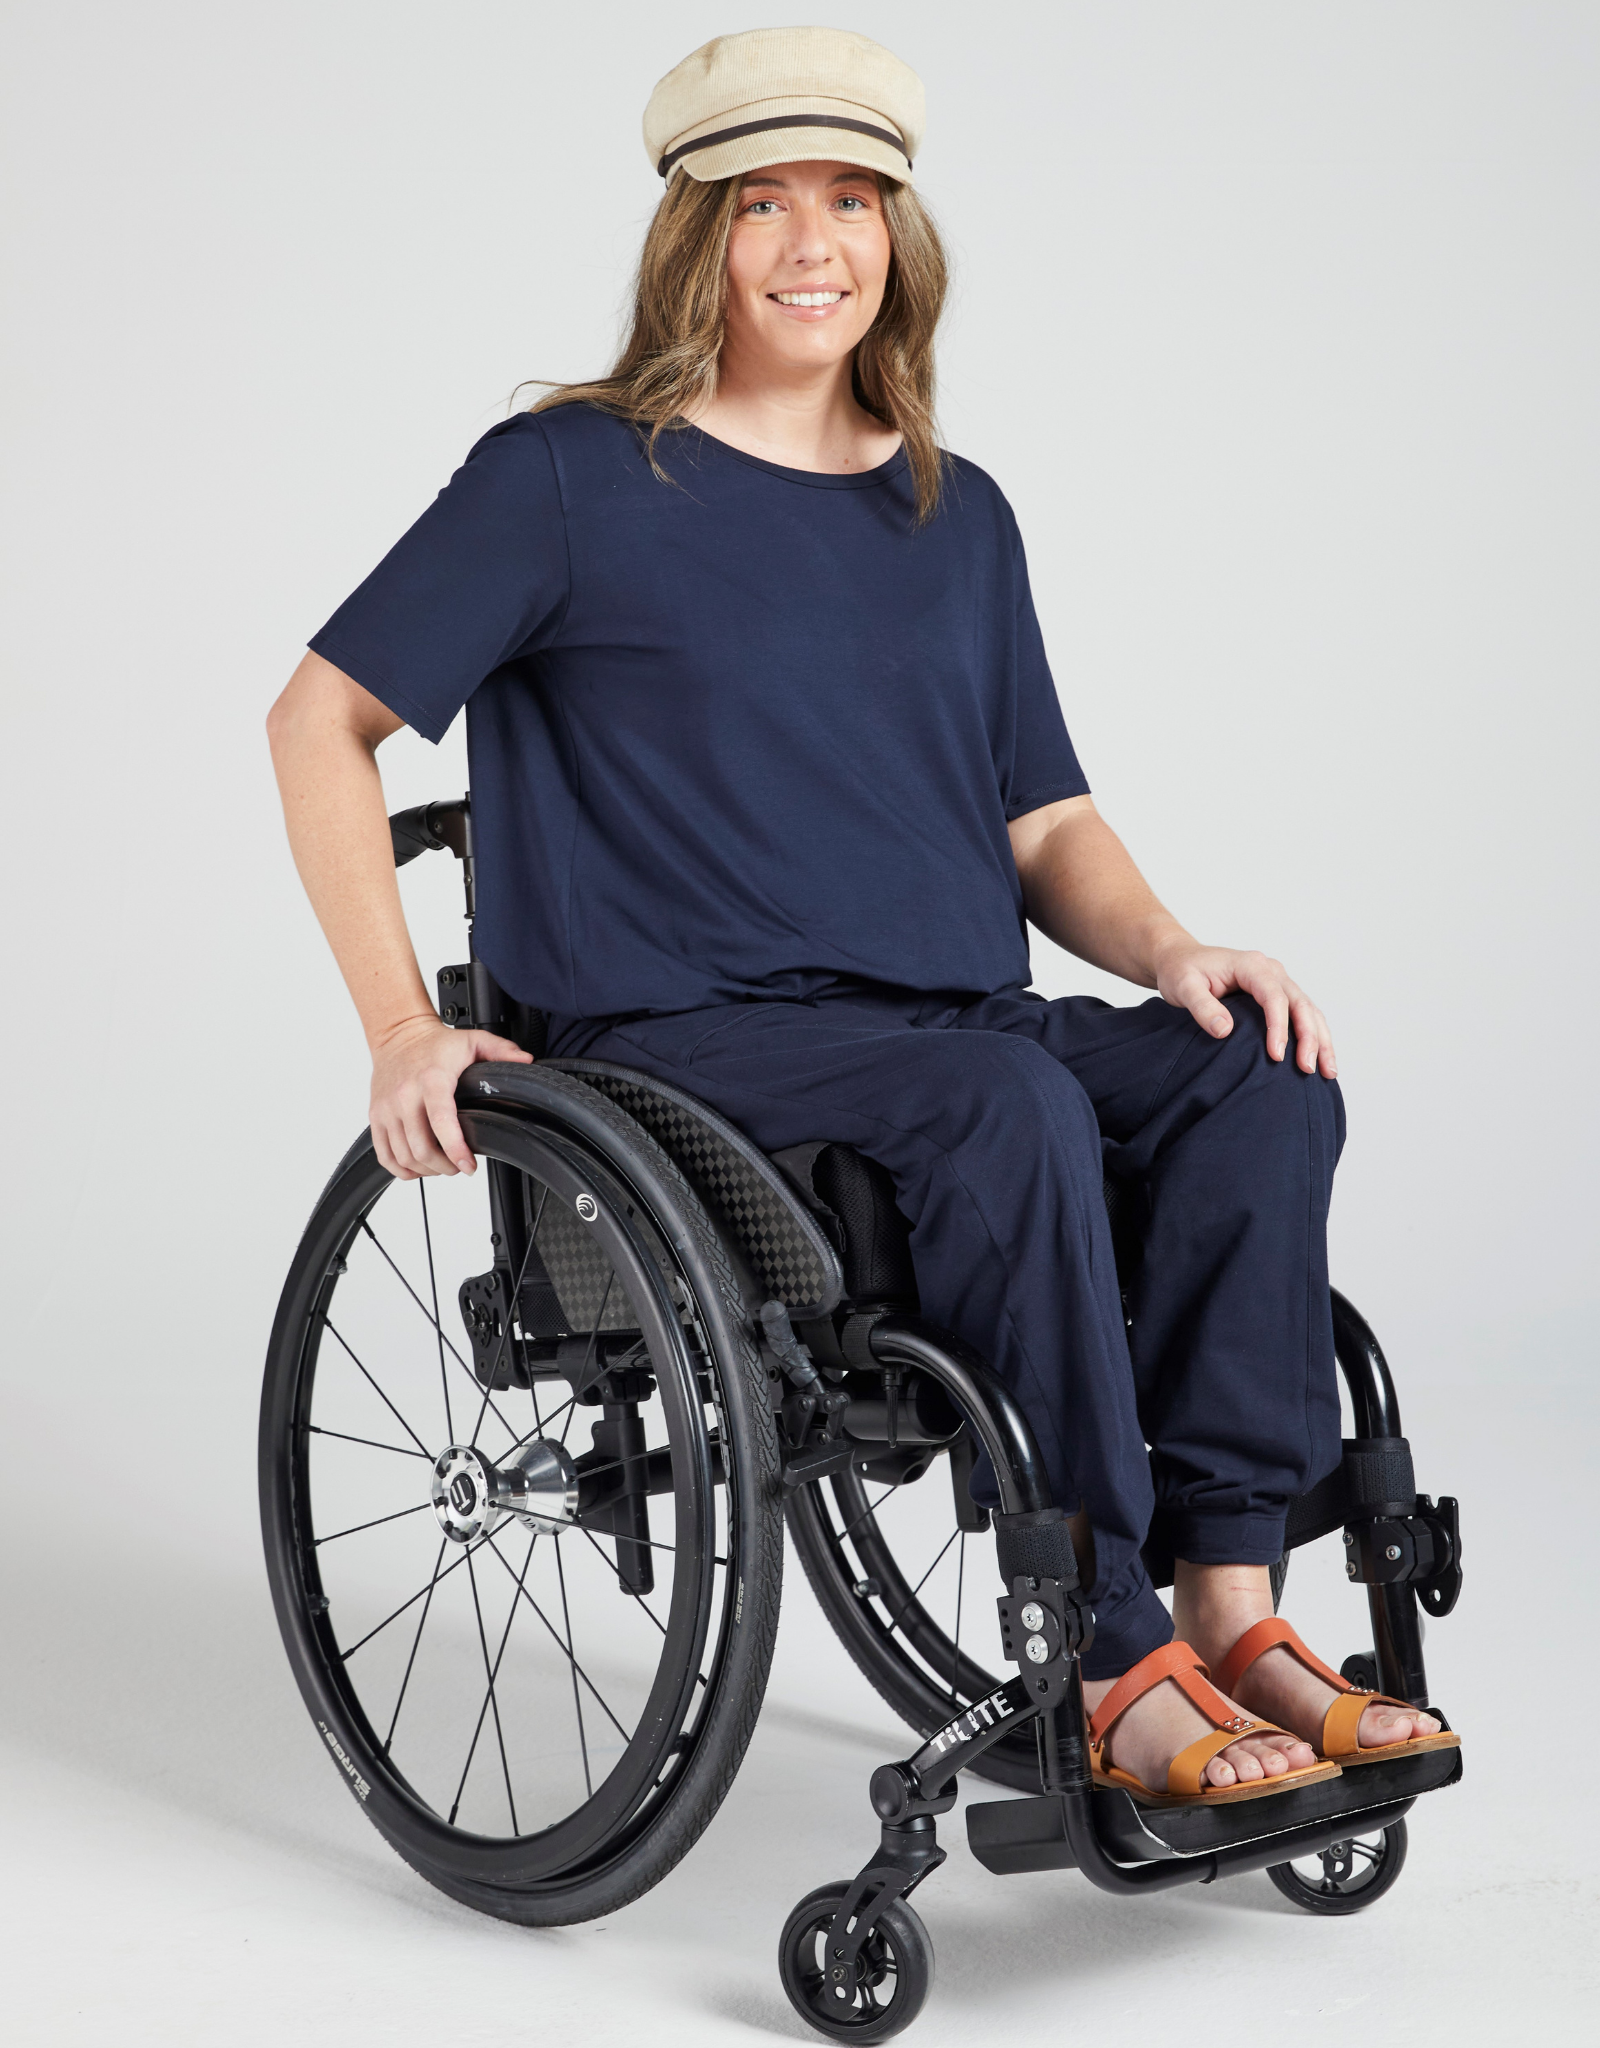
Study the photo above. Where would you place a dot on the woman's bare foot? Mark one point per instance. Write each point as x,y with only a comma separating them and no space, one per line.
1213,1605
1155,1728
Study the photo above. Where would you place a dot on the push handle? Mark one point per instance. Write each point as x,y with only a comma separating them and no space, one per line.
432,828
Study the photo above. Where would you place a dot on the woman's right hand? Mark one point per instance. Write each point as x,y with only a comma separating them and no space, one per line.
415,1068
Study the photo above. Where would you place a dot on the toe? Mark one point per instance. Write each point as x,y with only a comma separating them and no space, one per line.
1220,1772
1383,1725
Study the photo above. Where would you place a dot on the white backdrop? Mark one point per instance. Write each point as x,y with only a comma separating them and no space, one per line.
1279,327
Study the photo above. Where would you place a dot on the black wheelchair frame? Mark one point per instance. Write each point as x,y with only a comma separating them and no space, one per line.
853,1379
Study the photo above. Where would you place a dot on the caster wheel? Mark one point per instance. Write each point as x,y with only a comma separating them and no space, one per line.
1361,1669
892,1975
1347,1876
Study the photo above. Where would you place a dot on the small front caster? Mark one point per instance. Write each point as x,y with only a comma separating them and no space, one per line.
1346,1876
882,1992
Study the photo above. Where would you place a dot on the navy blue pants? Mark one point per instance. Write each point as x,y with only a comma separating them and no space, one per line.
994,1116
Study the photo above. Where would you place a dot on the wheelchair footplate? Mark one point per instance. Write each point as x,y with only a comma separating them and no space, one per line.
1009,1836
855,1958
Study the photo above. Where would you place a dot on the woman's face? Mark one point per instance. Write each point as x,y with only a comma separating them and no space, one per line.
807,263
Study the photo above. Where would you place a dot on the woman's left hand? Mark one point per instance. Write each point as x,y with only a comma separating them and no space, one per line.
1196,978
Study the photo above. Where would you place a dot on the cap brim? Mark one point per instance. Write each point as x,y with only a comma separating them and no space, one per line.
794,146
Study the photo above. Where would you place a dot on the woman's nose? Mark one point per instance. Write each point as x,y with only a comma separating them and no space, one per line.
810,238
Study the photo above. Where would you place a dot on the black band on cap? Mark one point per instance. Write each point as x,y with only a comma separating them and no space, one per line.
782,121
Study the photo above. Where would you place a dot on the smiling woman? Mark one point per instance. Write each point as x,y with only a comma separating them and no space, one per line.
769,774
725,314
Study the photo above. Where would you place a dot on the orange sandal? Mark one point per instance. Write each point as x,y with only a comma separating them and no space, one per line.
1179,1663
1342,1723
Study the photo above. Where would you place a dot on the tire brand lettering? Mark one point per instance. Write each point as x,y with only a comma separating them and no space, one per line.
358,1783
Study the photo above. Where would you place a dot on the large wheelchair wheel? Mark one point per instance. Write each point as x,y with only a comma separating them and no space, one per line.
909,1590
523,1527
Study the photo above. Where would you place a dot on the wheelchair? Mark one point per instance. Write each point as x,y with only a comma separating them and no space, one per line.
528,1443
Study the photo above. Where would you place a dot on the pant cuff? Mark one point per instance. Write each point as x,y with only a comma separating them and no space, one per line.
1141,1625
1223,1538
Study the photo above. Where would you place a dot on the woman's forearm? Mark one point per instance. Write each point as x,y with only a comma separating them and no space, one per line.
323,732
1080,888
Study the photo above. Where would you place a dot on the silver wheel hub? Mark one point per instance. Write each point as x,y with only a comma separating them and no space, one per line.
537,1486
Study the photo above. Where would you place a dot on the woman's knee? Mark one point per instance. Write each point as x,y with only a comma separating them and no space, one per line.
1282,1089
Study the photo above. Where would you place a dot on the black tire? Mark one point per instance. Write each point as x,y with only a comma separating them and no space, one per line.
910,1641
698,1667
1352,1874
897,1954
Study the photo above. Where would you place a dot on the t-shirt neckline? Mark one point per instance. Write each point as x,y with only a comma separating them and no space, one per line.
814,479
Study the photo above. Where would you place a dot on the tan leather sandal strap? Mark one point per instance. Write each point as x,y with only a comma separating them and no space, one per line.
1341,1724
1149,1672
1183,1773
1267,1635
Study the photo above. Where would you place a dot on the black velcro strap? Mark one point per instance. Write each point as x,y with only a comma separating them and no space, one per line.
1035,1546
1374,1475
1316,1512
1378,1473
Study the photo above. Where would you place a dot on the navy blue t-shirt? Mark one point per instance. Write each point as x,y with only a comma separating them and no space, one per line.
735,736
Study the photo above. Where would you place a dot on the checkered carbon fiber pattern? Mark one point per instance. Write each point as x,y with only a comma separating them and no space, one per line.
742,1190
586,1283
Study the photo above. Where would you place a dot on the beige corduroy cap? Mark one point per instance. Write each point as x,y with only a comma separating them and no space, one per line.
784,96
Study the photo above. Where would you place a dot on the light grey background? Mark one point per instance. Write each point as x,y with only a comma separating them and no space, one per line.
1278,324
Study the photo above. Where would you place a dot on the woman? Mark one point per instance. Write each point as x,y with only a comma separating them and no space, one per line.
767,769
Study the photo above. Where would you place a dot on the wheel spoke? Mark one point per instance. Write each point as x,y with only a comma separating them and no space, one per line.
327,1324
594,1338
313,1429
917,1588
356,1528
871,1508
437,1579
433,1288
491,1703
577,1697
556,1639
505,1328
416,1644
434,1320
540,1427
638,1599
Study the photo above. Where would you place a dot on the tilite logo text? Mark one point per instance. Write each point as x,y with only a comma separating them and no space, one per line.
362,1788
962,1729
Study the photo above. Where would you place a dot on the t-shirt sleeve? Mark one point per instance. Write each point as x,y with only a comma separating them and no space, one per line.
1041,764
480,579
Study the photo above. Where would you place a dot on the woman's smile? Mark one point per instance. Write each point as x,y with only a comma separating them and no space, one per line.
820,300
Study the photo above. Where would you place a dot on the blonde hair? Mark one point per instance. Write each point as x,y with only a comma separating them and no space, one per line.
668,364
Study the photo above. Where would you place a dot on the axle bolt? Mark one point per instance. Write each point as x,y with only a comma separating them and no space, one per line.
1392,1552
1032,1616
1038,1650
